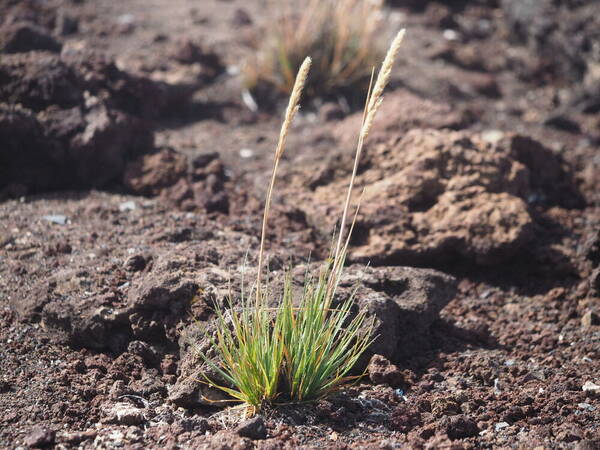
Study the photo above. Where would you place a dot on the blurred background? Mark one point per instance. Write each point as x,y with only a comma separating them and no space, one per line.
212,75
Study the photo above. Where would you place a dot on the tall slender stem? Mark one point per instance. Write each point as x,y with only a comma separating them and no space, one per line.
374,99
290,112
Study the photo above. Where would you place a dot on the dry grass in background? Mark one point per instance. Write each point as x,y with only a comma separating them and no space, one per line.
343,38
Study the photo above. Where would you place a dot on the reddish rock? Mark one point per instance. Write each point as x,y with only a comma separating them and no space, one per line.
405,418
223,440
198,183
80,120
432,196
188,52
253,428
562,49
445,406
570,432
382,371
24,36
458,427
40,437
37,80
78,437
590,319
137,262
595,282
151,173
78,123
27,154
124,414
590,247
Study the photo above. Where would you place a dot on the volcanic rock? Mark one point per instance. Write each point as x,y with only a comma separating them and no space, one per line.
24,36
189,184
458,427
381,371
124,414
75,120
40,437
400,112
438,196
68,123
253,428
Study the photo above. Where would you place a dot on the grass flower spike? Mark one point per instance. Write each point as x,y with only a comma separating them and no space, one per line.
374,100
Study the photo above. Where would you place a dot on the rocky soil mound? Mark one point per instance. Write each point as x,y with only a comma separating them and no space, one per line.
436,196
71,119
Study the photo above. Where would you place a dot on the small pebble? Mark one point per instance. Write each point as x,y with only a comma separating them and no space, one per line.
593,388
124,414
40,437
246,153
126,19
56,218
127,206
492,136
253,428
589,319
233,70
500,426
248,99
586,406
450,35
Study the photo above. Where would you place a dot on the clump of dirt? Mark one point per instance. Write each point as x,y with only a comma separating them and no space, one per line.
186,183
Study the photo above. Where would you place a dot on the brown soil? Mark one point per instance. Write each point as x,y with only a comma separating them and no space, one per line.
132,175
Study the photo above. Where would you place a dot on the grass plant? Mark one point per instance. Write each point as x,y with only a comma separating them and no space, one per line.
303,348
340,35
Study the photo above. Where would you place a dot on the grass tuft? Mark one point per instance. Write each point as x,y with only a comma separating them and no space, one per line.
340,36
300,350
291,353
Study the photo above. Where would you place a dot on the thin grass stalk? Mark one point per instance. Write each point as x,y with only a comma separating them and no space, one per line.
337,260
290,112
372,105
